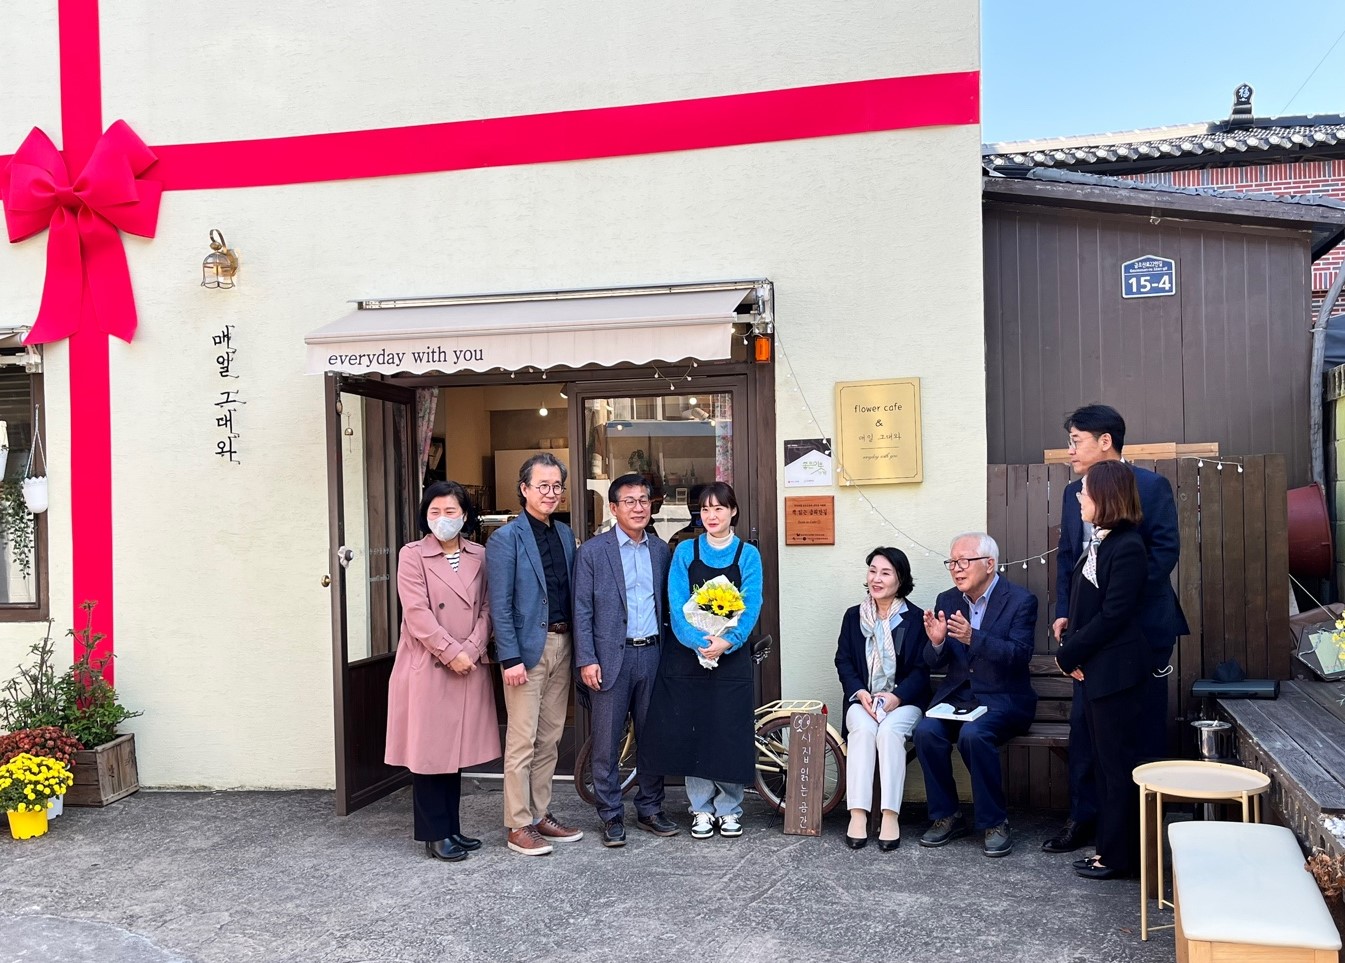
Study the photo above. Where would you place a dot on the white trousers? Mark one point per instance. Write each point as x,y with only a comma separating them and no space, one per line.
869,743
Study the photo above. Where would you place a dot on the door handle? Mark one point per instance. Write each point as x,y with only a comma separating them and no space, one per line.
326,580
344,555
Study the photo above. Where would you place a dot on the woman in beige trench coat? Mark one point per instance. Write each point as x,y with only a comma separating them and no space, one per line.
441,705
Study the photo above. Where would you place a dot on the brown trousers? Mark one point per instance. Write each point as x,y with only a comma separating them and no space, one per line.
536,718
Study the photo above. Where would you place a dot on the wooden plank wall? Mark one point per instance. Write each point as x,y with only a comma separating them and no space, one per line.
1232,580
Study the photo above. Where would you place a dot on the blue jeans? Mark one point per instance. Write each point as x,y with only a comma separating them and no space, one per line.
715,798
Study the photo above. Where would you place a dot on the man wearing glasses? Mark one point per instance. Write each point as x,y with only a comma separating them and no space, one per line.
980,637
619,608
528,566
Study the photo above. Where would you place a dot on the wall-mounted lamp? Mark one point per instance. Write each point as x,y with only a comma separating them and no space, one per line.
543,411
220,265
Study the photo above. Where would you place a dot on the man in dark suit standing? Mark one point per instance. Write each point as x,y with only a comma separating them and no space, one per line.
980,637
1096,434
619,601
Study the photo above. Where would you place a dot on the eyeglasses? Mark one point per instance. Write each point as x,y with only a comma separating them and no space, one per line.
961,564
546,488
634,502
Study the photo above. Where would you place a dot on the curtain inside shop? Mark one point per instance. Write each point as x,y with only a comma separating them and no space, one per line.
427,400
723,422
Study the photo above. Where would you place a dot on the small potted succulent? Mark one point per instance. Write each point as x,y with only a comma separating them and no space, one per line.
28,784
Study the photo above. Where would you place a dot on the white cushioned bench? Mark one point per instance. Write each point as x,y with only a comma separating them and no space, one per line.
1242,894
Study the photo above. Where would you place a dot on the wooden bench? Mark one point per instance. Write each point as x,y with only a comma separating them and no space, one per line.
1298,740
1242,893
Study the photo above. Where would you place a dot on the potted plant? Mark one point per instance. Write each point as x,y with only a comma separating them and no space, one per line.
28,784
92,714
51,742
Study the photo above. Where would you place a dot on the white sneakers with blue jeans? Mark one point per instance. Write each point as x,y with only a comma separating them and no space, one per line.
715,798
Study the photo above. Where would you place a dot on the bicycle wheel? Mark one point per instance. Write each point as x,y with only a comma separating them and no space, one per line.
625,767
773,766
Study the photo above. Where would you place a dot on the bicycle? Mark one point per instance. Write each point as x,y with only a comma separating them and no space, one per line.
773,721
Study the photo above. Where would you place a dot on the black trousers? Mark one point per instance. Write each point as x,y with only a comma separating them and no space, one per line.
435,798
1114,722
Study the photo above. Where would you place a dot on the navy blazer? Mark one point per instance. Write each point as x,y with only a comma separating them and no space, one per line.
1161,616
998,660
600,601
517,585
1105,637
912,675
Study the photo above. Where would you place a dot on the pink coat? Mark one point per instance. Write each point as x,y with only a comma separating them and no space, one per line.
439,721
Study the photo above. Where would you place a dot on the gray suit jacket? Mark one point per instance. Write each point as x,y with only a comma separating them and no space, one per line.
517,585
600,601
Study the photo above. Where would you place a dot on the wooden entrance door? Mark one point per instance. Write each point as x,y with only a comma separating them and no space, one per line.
372,483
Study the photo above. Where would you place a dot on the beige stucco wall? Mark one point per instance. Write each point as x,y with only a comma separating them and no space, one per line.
873,242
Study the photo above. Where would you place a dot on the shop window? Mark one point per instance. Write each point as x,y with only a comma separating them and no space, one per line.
23,536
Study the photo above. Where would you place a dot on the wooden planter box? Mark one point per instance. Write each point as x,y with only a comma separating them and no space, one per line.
104,774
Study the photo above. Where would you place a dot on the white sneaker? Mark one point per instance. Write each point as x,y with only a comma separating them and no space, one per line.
702,826
729,826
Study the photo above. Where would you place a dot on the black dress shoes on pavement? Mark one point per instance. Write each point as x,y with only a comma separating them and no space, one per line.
613,833
659,824
446,850
856,842
1093,869
887,845
944,830
466,842
1072,836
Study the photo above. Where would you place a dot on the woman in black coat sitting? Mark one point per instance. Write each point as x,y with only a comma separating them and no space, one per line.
1106,650
886,683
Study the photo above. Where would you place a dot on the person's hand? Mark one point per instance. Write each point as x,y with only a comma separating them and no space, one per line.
1077,674
959,628
865,700
714,647
591,676
887,701
515,675
936,627
462,664
1058,628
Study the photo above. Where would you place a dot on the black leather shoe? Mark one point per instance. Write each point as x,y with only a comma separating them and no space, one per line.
887,845
945,830
1084,861
613,833
446,850
466,842
856,842
659,824
1095,870
1072,836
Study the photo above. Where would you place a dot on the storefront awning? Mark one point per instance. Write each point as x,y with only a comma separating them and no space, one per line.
539,332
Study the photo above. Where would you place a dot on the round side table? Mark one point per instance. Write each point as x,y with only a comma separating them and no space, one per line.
1180,780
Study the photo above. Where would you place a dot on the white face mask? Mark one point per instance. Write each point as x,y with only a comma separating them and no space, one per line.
445,528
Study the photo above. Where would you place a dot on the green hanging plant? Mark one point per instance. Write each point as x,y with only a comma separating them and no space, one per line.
16,525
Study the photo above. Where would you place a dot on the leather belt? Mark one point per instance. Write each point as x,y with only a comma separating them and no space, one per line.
558,627
642,642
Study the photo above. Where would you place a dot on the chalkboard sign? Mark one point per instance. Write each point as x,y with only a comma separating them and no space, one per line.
807,774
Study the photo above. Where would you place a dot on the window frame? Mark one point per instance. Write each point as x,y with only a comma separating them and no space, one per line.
38,610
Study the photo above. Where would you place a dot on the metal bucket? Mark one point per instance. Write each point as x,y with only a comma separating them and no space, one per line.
1214,739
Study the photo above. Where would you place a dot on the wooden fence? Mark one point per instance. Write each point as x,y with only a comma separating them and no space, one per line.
1232,579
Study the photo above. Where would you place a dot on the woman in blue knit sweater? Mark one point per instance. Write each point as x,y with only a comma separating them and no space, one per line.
701,710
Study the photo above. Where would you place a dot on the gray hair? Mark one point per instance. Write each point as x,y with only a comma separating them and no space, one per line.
541,459
985,545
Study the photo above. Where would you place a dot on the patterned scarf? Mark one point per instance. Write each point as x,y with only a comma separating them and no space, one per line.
879,647
1090,563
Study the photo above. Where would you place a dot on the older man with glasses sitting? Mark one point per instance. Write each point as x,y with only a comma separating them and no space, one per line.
980,637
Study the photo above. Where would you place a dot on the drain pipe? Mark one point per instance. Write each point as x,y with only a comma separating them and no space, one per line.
1315,380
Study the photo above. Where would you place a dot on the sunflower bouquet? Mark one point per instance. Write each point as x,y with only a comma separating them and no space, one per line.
30,783
714,608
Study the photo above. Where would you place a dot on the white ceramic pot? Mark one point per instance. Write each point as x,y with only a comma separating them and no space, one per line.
57,807
35,494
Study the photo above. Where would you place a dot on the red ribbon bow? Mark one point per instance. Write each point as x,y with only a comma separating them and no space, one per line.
85,257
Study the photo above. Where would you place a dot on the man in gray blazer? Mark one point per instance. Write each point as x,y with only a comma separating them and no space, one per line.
620,580
528,566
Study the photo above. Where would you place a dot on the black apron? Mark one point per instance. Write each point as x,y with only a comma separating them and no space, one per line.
701,721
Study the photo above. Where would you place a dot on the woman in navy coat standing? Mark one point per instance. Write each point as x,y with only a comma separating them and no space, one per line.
886,683
1105,649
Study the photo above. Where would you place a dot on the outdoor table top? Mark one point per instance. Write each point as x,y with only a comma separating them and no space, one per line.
1200,780
1304,732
